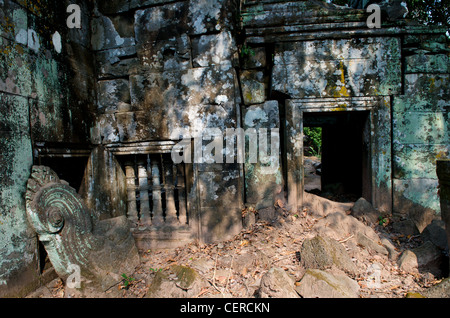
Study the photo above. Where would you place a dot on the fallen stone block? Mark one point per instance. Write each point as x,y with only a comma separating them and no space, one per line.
277,284
323,253
405,227
364,211
176,282
370,245
392,252
425,258
435,233
321,284
339,225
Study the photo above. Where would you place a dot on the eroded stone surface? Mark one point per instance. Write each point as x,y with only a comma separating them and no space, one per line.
321,284
101,251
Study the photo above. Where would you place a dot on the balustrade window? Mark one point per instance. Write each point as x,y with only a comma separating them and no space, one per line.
156,192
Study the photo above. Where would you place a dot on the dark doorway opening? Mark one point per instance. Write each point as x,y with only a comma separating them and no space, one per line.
70,169
345,155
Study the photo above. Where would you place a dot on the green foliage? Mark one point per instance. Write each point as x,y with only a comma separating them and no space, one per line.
314,140
429,12
247,51
127,281
382,220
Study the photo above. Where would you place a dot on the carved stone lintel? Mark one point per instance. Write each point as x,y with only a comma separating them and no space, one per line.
103,251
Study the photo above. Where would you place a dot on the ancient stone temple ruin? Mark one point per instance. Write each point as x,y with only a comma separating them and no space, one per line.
107,93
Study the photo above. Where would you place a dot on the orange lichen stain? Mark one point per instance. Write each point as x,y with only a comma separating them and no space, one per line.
432,83
35,7
249,96
19,49
342,92
441,155
340,107
5,50
7,25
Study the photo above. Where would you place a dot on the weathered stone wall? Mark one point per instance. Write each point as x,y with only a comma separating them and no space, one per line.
338,68
421,126
163,66
46,93
167,65
320,58
322,55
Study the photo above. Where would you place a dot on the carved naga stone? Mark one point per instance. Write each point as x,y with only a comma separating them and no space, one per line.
103,251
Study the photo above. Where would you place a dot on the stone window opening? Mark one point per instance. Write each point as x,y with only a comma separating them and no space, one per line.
156,192
69,164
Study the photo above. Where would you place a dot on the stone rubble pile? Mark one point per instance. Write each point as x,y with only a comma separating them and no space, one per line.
321,252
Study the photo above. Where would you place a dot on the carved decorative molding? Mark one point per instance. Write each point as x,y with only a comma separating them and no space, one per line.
103,251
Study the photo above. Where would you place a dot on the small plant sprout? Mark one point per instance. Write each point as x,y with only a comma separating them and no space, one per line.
127,281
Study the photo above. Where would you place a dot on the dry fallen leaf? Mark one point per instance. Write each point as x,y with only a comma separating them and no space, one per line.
244,243
221,279
203,291
279,203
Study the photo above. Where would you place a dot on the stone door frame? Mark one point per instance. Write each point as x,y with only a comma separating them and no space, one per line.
380,144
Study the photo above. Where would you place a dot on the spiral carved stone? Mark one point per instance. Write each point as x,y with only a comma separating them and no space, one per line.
103,251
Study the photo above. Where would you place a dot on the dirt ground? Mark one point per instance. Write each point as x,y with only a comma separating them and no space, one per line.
234,268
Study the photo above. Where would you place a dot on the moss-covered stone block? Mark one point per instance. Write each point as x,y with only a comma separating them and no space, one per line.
321,284
323,253
338,68
253,87
427,63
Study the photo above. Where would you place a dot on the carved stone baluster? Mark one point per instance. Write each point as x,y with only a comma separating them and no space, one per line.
171,210
157,204
143,194
182,213
149,183
131,192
